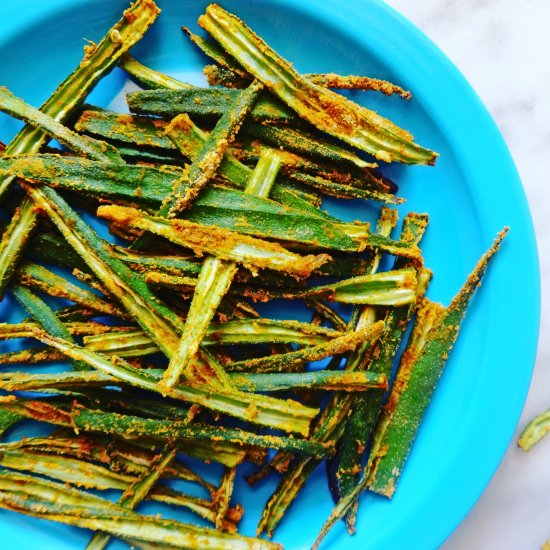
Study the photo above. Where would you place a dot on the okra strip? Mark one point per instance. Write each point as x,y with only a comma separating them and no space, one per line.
149,77
8,419
220,76
207,103
243,331
110,423
125,285
294,359
46,318
300,142
341,191
38,277
206,162
223,495
318,380
54,501
325,109
222,243
365,411
330,80
138,491
98,61
214,281
14,239
432,339
534,431
417,377
286,415
392,288
85,146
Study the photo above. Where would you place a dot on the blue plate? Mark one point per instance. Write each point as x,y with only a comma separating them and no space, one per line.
471,194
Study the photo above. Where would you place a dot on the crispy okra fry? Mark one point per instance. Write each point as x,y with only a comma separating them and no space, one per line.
222,243
534,431
38,277
149,77
46,318
86,146
433,337
108,423
293,360
326,110
213,283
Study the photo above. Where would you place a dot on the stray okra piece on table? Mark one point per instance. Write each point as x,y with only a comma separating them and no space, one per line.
216,197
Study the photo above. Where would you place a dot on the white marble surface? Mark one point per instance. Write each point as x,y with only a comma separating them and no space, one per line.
502,47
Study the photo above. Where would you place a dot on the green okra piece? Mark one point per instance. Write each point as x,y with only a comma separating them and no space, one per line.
90,420
206,162
140,183
226,208
432,339
324,380
222,243
341,191
392,288
83,145
221,76
364,412
57,502
149,77
208,103
45,317
242,331
303,143
294,359
98,60
327,313
325,109
421,366
223,495
125,285
330,80
38,277
14,239
128,129
138,491
534,431
287,415
213,283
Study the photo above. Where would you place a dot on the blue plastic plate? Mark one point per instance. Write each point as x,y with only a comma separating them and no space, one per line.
471,194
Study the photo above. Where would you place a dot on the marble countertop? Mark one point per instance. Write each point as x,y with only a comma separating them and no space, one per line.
501,47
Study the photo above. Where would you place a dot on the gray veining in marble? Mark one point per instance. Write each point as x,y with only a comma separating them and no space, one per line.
503,49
